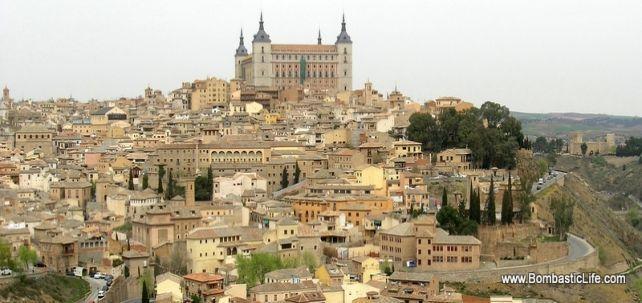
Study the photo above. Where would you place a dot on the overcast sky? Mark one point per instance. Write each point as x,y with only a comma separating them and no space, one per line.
533,56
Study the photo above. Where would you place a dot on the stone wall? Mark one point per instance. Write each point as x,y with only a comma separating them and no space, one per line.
559,266
497,239
548,251
117,292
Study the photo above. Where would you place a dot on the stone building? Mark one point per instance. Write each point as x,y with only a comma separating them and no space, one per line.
319,66
209,93
606,146
33,137
59,253
203,285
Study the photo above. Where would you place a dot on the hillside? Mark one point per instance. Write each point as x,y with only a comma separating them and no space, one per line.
48,289
557,124
617,242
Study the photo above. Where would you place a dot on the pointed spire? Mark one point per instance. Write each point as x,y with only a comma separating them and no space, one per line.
319,38
261,35
343,37
241,50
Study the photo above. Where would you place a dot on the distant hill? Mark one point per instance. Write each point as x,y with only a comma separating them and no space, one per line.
560,124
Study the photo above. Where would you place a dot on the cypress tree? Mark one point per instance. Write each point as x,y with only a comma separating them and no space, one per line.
475,211
145,181
130,183
210,183
145,294
170,188
284,178
490,206
444,197
161,174
297,173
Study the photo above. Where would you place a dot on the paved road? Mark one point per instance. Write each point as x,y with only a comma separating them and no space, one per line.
96,285
577,247
548,182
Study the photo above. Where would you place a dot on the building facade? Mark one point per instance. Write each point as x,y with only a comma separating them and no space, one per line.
326,67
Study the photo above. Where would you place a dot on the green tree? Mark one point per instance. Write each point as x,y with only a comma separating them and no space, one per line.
210,184
444,197
144,295
423,128
507,215
528,172
461,208
297,173
474,209
126,273
161,175
449,219
505,210
196,299
284,178
27,256
490,204
252,270
386,267
201,191
562,209
541,145
6,259
584,148
130,182
310,261
145,181
169,194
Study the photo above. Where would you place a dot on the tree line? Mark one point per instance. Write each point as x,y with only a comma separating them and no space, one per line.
491,133
632,147
542,145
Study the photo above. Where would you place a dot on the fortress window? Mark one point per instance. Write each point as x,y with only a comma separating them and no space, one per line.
262,50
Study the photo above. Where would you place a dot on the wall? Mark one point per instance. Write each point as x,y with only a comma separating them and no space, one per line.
559,266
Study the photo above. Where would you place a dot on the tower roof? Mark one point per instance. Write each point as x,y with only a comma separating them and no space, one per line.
319,38
261,35
343,37
241,50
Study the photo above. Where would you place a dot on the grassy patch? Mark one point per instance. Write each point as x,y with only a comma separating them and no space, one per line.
553,238
638,286
57,287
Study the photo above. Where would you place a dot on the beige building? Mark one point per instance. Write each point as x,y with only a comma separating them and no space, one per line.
206,286
324,67
454,160
576,140
420,243
210,93
171,284
34,137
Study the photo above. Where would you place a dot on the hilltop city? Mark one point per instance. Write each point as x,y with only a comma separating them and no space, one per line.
286,182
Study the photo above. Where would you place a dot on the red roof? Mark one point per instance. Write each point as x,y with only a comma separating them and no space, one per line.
203,277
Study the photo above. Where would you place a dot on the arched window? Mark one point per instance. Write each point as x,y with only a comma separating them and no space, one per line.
262,50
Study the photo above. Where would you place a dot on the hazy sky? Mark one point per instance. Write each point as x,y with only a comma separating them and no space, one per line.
534,56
